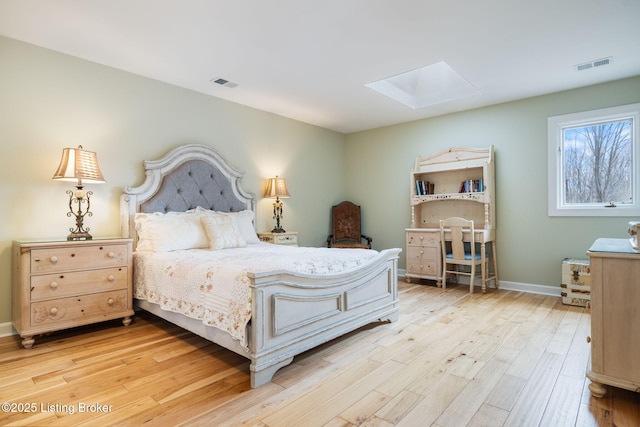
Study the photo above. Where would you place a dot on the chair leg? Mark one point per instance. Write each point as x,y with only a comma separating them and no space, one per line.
444,276
483,270
473,274
495,264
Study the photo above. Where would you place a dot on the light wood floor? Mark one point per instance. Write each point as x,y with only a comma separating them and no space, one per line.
453,359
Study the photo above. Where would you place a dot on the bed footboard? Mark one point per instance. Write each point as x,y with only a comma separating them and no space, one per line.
292,313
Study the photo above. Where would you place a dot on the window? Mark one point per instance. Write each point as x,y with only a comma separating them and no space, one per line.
594,158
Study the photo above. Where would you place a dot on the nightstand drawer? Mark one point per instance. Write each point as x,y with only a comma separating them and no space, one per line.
50,260
70,310
60,285
286,239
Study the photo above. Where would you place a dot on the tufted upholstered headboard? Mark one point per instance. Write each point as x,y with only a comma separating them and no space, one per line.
187,177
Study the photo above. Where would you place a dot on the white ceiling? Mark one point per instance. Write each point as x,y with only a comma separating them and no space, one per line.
310,59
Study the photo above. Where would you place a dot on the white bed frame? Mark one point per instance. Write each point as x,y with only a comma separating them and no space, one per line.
291,312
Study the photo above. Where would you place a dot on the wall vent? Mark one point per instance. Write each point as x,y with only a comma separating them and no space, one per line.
223,82
594,64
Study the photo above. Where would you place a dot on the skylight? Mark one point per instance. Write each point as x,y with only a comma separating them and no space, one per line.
430,85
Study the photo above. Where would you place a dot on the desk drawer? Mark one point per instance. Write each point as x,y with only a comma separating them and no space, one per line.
416,238
422,253
426,268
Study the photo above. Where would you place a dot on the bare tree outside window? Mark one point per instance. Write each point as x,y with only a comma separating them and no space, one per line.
594,162
597,163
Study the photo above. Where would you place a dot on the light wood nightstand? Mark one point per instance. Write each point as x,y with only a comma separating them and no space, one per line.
63,284
289,238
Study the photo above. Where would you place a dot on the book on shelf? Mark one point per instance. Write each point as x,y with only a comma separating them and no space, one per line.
424,188
472,186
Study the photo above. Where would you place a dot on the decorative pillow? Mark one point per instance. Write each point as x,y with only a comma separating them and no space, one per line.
222,232
173,231
244,220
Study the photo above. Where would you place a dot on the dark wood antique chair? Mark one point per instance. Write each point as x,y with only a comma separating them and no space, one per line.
346,227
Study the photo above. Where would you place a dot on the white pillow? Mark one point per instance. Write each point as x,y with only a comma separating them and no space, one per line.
244,220
222,232
173,231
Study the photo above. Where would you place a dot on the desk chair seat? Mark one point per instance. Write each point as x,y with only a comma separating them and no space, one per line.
467,257
456,252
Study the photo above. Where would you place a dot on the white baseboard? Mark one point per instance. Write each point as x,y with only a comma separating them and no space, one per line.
553,291
530,288
6,329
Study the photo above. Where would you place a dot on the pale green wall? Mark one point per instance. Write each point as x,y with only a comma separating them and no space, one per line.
49,101
530,244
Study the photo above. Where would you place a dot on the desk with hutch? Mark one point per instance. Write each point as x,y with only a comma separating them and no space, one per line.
454,182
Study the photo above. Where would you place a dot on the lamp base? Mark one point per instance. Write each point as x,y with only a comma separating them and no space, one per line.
79,236
278,229
79,232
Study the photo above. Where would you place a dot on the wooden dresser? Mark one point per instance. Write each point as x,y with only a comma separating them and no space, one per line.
615,317
63,284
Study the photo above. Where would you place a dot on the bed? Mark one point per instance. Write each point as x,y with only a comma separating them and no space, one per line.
305,299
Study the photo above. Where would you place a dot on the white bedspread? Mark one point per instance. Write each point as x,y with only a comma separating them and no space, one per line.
213,286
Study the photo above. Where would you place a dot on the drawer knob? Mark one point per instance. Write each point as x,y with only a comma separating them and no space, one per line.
110,301
54,259
421,252
54,285
110,278
111,255
588,339
53,311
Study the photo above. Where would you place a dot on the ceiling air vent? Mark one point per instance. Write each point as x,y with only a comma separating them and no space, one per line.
223,82
594,64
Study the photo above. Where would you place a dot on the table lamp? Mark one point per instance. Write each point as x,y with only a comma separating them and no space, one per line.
277,187
79,165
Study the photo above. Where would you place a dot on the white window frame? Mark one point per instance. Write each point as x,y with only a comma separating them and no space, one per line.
555,125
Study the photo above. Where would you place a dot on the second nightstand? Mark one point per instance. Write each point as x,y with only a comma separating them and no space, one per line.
287,238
